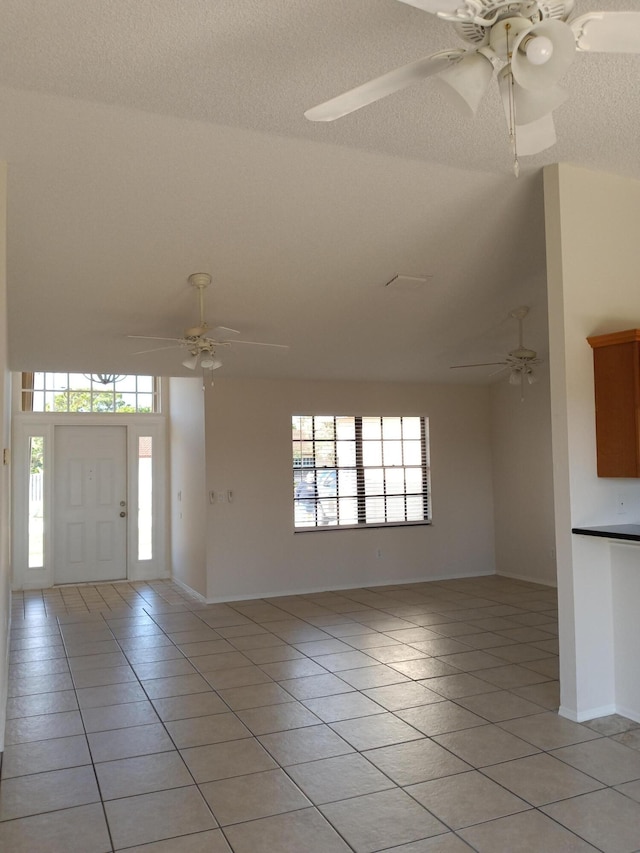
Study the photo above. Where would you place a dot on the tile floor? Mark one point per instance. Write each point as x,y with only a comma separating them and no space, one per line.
416,719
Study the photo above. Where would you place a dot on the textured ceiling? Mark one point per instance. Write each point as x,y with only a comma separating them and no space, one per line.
150,140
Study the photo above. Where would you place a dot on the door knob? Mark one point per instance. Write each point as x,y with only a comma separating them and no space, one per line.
122,514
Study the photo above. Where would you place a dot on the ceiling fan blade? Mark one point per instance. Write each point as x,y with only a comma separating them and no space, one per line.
222,332
483,364
608,32
155,338
156,349
499,370
262,344
536,136
450,7
382,86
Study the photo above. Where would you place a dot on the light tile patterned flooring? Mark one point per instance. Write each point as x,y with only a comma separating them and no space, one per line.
416,719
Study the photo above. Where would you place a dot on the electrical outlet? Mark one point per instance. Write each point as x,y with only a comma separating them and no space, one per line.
621,506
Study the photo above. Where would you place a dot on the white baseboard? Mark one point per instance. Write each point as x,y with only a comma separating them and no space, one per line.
142,575
190,590
629,713
527,579
590,713
354,584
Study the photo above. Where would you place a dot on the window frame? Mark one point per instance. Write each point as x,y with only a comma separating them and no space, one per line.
308,464
52,386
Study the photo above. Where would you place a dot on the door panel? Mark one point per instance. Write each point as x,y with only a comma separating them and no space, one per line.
90,482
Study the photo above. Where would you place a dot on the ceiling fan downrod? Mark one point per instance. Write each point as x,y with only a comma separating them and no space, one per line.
200,280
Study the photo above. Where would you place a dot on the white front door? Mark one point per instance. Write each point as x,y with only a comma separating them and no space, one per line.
90,493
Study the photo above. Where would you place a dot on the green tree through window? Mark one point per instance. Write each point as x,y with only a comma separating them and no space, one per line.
99,402
37,454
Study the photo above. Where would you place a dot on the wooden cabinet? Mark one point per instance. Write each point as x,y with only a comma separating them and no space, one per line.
616,363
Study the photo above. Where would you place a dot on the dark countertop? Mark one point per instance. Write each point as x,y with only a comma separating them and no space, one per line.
628,532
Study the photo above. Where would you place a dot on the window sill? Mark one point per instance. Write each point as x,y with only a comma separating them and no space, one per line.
321,528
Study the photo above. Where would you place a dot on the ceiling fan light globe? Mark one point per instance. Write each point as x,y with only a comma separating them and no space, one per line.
529,105
191,361
515,377
210,362
536,136
531,75
538,133
465,83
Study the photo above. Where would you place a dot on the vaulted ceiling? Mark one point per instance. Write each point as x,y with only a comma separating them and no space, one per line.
150,140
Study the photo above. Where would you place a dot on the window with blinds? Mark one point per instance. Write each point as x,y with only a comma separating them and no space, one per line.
352,471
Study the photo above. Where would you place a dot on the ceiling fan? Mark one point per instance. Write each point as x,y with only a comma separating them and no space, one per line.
201,343
530,43
519,361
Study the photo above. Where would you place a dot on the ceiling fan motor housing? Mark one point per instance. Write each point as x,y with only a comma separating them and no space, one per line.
523,354
533,11
200,279
195,332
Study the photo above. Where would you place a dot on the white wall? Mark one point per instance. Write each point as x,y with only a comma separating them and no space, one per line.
593,258
252,549
5,432
625,577
188,485
523,480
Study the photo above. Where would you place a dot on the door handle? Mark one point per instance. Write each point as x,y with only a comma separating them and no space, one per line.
122,514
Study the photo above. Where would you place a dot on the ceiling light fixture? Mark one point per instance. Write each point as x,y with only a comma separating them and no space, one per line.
520,362
191,361
201,341
465,83
207,359
104,378
209,362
